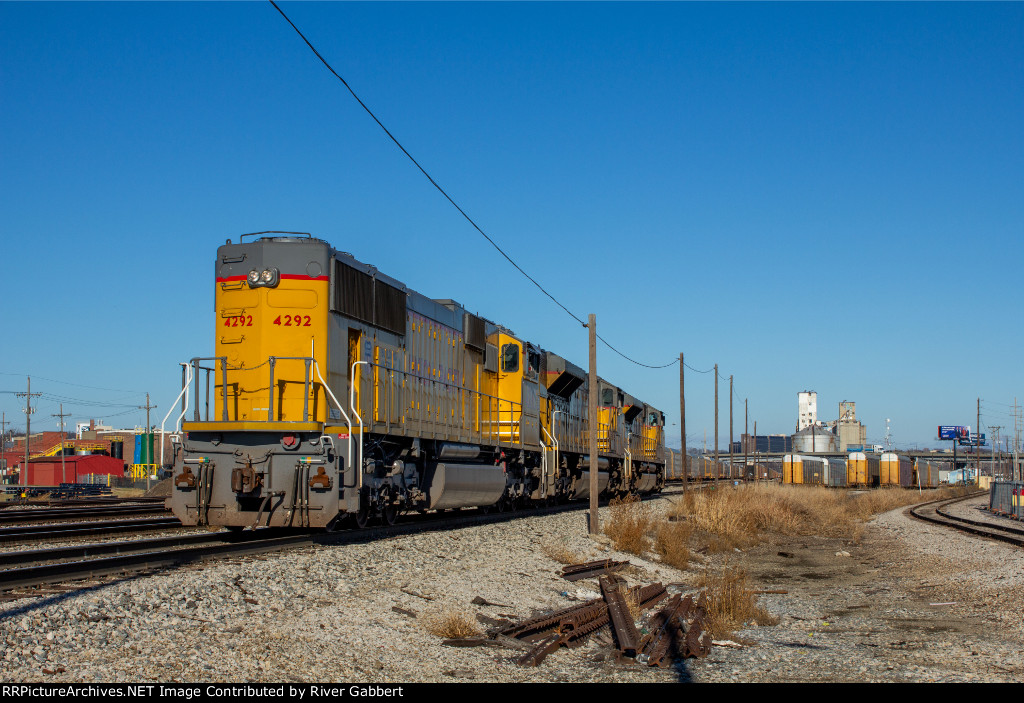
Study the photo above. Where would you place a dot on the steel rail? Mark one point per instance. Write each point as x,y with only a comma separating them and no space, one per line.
975,527
41,514
85,529
247,543
96,502
147,561
55,554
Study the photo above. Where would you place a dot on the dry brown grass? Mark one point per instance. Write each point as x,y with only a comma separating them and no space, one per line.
450,624
632,601
629,524
560,553
730,517
672,543
732,602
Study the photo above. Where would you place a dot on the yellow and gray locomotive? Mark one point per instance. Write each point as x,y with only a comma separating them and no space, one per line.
335,390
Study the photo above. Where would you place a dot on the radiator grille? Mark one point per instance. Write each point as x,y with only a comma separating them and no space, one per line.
362,297
389,308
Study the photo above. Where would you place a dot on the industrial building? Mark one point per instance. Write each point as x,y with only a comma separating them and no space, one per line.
807,409
774,443
850,431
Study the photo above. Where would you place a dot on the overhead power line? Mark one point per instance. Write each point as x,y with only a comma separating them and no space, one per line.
452,201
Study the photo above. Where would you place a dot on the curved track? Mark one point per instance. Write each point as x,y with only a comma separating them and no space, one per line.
934,513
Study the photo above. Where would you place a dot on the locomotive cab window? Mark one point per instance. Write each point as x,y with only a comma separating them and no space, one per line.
607,397
533,357
510,358
652,419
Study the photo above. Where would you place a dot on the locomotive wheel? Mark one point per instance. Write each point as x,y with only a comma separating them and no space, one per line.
362,515
390,510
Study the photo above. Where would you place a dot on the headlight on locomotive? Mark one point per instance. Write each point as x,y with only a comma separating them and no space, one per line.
267,277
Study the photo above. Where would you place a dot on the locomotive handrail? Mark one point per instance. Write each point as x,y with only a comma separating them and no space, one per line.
330,394
224,384
352,406
467,399
544,455
629,458
272,362
184,391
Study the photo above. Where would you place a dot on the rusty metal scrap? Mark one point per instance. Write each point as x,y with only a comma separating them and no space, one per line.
676,630
545,647
590,569
625,628
543,623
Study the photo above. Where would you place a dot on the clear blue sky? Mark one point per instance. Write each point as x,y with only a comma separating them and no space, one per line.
814,196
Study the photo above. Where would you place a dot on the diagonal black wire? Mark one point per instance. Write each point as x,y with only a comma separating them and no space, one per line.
449,198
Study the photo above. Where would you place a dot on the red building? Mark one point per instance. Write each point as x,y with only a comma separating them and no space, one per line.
48,471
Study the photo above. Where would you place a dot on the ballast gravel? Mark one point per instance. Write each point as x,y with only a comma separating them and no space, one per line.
910,602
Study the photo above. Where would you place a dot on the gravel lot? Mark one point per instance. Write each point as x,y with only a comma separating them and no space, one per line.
911,602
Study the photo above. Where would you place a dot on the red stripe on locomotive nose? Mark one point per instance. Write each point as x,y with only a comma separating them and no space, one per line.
284,276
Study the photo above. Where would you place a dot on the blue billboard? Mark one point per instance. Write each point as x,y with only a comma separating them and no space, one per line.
953,432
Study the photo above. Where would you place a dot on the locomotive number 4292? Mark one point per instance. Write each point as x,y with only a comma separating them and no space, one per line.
292,320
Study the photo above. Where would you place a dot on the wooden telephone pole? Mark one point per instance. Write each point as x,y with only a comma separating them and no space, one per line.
28,395
716,424
746,435
730,429
595,522
63,470
682,419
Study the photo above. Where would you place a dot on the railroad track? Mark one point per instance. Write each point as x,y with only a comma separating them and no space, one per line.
20,503
62,566
35,533
40,515
30,573
935,513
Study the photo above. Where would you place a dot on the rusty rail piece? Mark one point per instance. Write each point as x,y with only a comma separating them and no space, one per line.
572,626
668,630
662,630
538,626
697,642
578,572
626,634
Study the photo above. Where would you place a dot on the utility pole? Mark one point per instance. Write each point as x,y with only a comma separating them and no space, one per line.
757,466
63,470
992,453
595,523
977,448
3,439
159,462
1017,442
730,429
746,435
682,418
28,426
716,425
147,407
